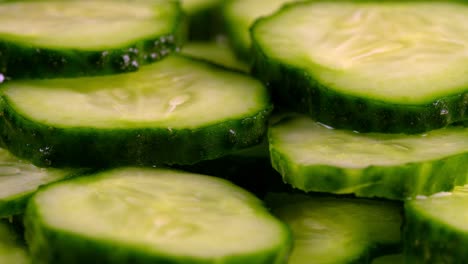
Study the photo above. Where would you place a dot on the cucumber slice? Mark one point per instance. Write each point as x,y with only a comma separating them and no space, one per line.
312,157
20,180
85,37
176,111
12,250
436,229
217,52
397,66
137,215
338,230
239,15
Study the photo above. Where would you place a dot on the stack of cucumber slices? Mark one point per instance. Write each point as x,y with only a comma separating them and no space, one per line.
236,131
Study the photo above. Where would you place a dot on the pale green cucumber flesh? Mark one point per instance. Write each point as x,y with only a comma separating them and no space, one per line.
84,25
217,52
161,214
447,208
239,15
19,180
310,143
174,93
313,157
406,53
337,230
436,229
11,249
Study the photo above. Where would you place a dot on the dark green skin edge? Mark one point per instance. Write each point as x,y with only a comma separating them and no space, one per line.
15,223
429,241
297,89
46,146
16,205
205,24
395,182
396,258
378,250
254,174
16,59
375,251
50,246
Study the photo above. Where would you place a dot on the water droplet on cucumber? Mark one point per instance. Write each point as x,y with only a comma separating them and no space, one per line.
45,150
232,136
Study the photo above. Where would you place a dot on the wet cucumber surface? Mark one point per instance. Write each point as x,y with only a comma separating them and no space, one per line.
75,37
239,15
380,66
161,114
19,180
152,215
338,230
217,52
437,228
312,157
342,64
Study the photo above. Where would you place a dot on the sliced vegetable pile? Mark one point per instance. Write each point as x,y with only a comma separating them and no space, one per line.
211,131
